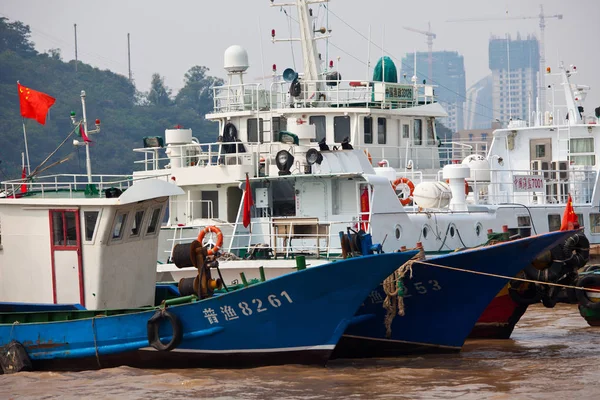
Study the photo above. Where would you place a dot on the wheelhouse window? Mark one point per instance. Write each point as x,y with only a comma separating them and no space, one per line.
554,221
279,124
320,123
594,223
90,218
582,151
136,225
418,132
368,130
64,228
153,225
430,132
119,226
405,131
255,130
341,128
381,130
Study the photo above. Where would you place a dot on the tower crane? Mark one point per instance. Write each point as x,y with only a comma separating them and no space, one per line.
542,17
430,36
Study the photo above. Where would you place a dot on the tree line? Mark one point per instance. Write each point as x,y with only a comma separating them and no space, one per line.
127,115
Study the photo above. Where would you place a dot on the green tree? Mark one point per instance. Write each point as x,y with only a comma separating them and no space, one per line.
197,93
15,36
159,94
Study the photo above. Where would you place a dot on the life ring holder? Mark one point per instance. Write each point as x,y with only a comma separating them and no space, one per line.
215,230
411,187
152,330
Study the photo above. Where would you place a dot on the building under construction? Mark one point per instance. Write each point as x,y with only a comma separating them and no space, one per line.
448,70
515,69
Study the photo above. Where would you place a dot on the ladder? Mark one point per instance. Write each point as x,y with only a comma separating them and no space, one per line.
563,141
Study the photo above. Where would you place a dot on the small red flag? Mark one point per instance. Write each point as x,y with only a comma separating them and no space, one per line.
24,177
34,104
248,203
82,134
569,220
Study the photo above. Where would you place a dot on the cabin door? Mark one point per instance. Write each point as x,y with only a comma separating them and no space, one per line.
65,248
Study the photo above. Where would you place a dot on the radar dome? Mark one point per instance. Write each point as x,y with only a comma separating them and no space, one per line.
480,168
236,59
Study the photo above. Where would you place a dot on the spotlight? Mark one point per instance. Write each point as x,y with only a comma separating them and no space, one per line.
313,156
323,146
346,144
284,161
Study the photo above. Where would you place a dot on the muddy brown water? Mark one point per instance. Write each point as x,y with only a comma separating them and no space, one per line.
553,353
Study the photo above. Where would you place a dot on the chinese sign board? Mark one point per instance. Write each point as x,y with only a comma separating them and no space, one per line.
528,183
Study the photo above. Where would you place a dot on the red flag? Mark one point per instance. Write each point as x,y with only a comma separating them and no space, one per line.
248,203
24,177
82,134
569,220
34,104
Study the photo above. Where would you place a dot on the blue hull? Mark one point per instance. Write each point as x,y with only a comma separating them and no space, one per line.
442,305
297,317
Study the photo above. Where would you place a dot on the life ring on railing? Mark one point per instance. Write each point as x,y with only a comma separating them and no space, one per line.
216,231
411,187
368,156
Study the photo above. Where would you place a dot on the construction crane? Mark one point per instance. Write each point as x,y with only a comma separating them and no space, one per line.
430,36
542,17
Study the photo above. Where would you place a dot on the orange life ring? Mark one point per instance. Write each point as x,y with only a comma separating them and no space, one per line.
369,156
219,234
410,185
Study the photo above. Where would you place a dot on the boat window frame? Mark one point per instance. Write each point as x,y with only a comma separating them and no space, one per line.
65,245
96,225
255,127
338,127
552,224
140,228
381,130
417,133
322,123
368,134
123,229
156,228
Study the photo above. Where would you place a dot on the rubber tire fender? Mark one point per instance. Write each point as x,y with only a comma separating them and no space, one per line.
153,325
584,301
579,244
525,300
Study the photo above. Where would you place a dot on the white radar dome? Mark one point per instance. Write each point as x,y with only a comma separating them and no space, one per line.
480,168
235,59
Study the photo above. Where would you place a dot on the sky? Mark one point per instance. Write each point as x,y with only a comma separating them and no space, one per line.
171,37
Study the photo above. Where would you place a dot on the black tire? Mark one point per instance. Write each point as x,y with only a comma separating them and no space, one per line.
550,274
577,250
587,281
153,335
591,267
527,297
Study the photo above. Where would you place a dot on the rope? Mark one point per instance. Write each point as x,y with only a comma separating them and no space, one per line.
393,287
507,277
95,342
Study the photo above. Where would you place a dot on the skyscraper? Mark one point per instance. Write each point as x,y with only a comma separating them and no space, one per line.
448,77
515,69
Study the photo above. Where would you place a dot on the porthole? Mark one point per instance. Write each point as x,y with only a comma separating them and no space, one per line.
398,232
478,228
452,230
425,232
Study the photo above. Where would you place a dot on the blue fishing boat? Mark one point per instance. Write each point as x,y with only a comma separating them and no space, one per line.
296,318
442,300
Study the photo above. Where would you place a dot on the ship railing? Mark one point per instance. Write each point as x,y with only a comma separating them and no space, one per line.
341,93
67,184
193,209
281,237
200,155
551,186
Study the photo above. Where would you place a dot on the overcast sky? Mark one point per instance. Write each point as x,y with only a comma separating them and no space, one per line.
169,37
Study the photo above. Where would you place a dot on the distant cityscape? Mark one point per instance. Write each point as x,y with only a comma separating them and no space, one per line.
510,91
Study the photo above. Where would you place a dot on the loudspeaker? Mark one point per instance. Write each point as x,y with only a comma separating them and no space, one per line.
289,75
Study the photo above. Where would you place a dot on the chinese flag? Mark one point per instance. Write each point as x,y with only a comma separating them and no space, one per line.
24,178
34,104
248,203
82,133
569,220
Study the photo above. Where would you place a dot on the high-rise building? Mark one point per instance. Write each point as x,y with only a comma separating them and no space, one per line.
515,68
448,70
479,111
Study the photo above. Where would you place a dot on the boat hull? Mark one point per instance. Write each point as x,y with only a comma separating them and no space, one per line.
442,305
295,318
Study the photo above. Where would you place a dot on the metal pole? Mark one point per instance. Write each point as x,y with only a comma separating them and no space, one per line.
88,162
75,28
26,147
129,56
